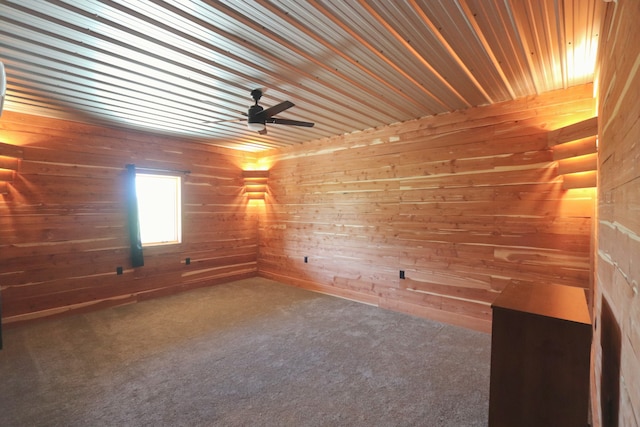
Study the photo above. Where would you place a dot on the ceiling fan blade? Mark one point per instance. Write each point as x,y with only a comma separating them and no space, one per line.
213,122
279,121
263,131
278,108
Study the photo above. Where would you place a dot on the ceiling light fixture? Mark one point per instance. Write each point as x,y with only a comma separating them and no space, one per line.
257,127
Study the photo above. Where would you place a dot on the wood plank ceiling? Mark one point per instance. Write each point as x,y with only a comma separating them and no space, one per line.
187,67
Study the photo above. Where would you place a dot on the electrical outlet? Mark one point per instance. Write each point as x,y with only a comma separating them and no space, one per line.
187,261
118,271
402,274
306,260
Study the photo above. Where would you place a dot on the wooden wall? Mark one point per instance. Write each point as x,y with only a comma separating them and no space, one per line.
463,203
63,224
616,346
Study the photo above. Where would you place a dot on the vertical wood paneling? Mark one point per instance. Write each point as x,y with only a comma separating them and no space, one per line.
463,203
63,222
618,251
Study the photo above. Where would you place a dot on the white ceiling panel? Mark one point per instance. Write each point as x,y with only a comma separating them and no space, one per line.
187,68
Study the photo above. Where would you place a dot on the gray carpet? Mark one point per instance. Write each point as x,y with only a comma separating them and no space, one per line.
249,353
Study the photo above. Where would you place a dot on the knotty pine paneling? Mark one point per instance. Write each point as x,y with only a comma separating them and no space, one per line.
616,343
63,225
463,203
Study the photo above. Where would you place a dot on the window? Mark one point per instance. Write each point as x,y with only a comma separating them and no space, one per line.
159,209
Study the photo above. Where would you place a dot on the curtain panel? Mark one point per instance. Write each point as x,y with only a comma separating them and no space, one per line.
137,259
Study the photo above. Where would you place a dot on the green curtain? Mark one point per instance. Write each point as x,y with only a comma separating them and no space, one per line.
137,260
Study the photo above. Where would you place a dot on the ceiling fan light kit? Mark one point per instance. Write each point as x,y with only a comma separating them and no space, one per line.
256,127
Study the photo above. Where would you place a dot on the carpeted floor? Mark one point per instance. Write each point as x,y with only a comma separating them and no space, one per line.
249,353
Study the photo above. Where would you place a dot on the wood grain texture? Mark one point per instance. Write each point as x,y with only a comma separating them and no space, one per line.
577,153
618,231
463,203
63,222
9,163
574,132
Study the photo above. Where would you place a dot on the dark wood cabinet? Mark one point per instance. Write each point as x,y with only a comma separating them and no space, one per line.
540,356
0,320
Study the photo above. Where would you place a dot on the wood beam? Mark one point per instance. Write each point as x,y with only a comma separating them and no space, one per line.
573,132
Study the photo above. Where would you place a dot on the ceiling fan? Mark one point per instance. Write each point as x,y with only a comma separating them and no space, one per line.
258,117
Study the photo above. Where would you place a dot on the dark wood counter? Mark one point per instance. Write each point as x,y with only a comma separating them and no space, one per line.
540,354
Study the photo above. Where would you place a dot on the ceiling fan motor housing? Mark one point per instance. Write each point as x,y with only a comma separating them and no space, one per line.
254,115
